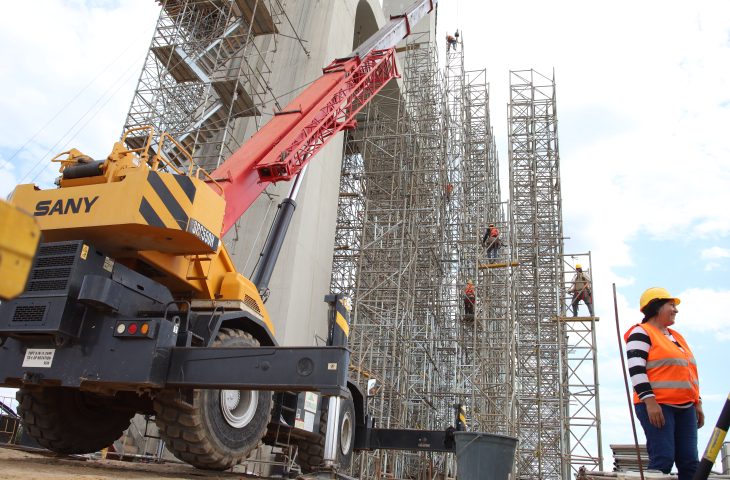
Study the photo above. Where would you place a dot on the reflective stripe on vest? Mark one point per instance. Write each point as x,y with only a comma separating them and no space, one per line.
671,384
672,372
667,361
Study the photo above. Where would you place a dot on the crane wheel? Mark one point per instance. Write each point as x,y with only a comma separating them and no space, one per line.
311,452
66,420
214,429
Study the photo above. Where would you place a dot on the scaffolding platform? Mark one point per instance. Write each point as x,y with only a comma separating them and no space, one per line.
575,319
483,266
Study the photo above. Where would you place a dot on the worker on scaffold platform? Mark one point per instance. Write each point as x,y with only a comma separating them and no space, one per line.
581,289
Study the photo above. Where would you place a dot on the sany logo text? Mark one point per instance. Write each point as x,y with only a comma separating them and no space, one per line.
64,206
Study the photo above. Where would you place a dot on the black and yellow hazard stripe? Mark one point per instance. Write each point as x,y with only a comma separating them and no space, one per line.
461,418
342,317
166,203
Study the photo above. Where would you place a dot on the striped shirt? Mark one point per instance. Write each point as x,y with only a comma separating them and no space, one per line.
637,352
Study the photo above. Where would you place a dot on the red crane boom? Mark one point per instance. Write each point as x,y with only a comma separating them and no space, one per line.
287,142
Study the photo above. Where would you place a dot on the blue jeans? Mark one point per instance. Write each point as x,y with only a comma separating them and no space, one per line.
675,442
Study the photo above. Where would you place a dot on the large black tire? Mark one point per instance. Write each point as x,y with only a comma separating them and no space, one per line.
67,421
311,451
220,427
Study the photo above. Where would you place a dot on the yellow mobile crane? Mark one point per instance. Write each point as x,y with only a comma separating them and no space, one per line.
133,304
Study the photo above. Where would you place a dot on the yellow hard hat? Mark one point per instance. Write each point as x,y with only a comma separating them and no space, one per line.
470,282
655,293
578,265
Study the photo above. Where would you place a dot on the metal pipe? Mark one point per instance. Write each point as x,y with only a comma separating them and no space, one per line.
272,247
294,190
332,436
626,384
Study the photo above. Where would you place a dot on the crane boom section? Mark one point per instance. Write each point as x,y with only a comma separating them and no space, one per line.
396,30
287,142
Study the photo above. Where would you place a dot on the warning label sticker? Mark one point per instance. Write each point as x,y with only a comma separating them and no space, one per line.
39,357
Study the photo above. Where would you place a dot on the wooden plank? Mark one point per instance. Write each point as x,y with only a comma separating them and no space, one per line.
171,60
263,24
243,105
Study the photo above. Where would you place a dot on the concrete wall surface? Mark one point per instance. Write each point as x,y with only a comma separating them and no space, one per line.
302,275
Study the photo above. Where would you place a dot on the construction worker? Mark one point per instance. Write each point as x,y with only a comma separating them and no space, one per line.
450,41
581,289
469,298
491,241
666,385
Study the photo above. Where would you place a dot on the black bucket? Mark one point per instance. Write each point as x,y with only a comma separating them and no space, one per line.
484,456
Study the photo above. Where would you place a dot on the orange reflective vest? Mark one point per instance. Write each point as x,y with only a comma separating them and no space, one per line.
672,372
469,290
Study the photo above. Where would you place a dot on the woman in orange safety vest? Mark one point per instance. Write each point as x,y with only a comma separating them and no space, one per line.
666,385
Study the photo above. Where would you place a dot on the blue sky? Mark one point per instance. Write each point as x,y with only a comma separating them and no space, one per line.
643,101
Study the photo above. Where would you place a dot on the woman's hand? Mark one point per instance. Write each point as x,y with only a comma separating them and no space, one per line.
656,416
700,415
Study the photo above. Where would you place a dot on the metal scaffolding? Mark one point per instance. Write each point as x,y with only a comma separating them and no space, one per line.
485,341
388,258
419,184
556,379
537,223
205,82
205,73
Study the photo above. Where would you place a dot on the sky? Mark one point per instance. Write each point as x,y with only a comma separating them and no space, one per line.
643,104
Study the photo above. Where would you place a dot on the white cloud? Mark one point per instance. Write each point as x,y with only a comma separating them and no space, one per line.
701,311
715,252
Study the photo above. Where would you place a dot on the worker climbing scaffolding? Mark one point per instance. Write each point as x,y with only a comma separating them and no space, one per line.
491,241
469,300
452,41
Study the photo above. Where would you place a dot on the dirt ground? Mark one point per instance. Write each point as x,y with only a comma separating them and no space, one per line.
35,466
